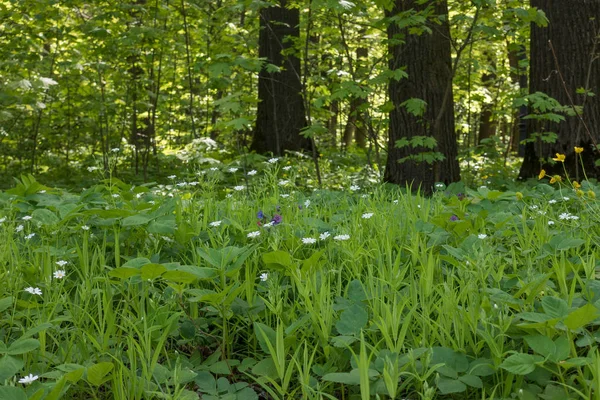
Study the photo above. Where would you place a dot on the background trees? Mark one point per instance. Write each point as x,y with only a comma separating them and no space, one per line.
156,78
565,66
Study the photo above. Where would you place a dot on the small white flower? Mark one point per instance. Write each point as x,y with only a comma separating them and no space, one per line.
27,218
354,188
215,223
27,237
19,228
367,215
564,216
115,150
92,169
283,182
59,274
324,235
573,217
396,201
550,222
239,188
139,195
27,379
172,176
309,240
61,263
273,160
254,234
115,195
232,169
284,195
214,169
264,276
2,219
253,172
42,192
482,236
341,237
85,228
482,187
533,207
364,196
306,203
439,185
566,198
269,224
552,201
287,168
167,239
33,290
229,195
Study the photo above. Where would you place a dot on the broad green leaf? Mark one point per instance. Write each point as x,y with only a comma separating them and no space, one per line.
352,320
581,317
447,386
136,220
520,363
123,272
542,345
152,271
6,303
136,262
97,373
279,257
347,378
472,380
265,367
555,307
9,366
179,277
450,358
262,330
12,393
45,217
22,346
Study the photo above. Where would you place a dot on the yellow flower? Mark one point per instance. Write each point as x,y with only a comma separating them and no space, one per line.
579,193
576,185
519,195
578,150
542,174
559,157
556,178
591,194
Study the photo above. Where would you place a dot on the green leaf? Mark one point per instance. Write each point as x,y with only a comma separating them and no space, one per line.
352,320
123,272
162,226
447,386
347,378
555,307
278,257
415,106
581,317
9,366
520,363
265,367
22,346
97,373
45,216
179,277
472,380
262,330
6,303
542,345
569,243
136,220
12,393
152,271
136,262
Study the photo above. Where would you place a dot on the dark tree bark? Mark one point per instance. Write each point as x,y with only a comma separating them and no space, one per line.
280,113
516,56
487,126
572,30
427,58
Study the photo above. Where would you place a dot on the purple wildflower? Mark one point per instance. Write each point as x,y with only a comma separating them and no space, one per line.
454,218
260,215
276,219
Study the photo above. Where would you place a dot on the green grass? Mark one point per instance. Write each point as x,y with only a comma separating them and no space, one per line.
467,294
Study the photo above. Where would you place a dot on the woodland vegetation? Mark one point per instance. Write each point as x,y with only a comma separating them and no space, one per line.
316,199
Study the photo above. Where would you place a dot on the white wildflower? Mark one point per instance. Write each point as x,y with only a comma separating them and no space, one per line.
27,237
273,160
264,276
27,218
233,169
19,228
309,240
354,188
215,223
550,222
253,172
27,379
367,215
239,188
59,274
283,182
287,168
61,263
324,235
341,237
33,290
482,236
85,228
254,234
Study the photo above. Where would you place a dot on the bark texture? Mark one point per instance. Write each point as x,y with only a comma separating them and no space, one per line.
427,59
280,112
573,30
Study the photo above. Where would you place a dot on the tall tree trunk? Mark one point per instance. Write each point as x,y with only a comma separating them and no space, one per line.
518,74
427,58
572,32
487,127
280,113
